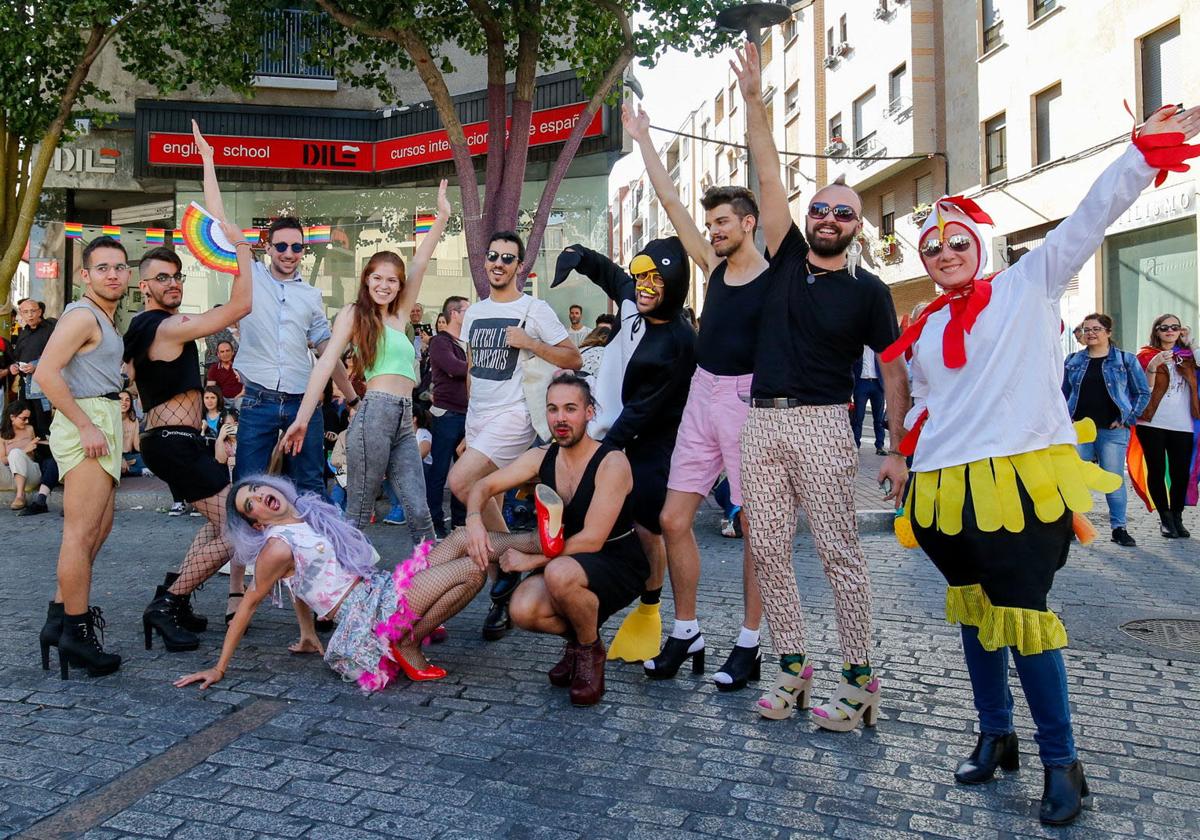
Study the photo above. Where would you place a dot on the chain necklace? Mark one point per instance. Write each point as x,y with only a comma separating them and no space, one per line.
813,274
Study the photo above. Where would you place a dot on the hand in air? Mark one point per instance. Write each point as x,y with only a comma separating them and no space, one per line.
202,146
293,438
1169,119
748,71
207,677
443,203
635,121
232,232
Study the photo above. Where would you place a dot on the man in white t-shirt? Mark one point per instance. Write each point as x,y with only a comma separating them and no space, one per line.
577,331
499,430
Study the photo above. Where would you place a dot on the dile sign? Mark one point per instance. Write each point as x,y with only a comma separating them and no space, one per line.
325,155
90,161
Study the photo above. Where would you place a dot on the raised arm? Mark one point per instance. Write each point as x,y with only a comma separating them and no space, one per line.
772,197
212,190
74,330
331,359
637,125
424,253
593,265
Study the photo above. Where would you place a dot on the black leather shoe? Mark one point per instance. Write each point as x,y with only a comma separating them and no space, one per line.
1180,531
1166,525
1121,537
505,585
1064,794
38,505
673,654
498,621
743,665
991,751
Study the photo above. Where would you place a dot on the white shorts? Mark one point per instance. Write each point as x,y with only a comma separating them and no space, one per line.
503,436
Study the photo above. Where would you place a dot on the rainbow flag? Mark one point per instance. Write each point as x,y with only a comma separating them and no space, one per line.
111,230
73,230
155,236
423,222
251,235
317,234
177,237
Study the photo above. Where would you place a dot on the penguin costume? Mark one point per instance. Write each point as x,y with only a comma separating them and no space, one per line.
641,389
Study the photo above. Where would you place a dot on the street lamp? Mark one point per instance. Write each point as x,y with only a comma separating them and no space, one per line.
752,18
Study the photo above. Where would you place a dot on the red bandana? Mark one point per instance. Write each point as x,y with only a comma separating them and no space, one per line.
965,305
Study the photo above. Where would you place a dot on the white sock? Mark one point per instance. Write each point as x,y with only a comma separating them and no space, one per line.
685,629
747,638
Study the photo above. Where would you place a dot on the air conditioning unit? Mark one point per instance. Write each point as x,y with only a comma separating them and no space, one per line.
831,61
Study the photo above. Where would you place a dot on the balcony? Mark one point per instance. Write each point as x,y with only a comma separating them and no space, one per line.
898,109
836,147
868,147
286,44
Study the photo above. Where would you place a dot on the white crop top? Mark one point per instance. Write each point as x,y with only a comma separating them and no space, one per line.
319,580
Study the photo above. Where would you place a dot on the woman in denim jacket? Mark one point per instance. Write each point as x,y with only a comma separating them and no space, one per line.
1108,385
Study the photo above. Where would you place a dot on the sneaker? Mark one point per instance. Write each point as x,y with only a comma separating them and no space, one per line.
146,473
177,509
1121,537
732,527
193,512
395,516
880,451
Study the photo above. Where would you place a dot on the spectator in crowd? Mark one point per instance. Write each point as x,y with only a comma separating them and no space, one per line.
868,387
29,459
1078,333
448,375
222,374
577,332
1166,429
606,319
214,411
439,324
131,456
212,343
26,350
1107,385
591,350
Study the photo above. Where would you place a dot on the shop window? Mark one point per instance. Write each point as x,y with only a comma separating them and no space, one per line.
1147,272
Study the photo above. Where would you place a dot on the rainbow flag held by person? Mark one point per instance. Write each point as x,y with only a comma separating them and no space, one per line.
317,234
111,230
177,237
155,236
423,222
73,230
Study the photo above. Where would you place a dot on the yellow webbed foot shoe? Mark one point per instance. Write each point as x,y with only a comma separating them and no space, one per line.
639,635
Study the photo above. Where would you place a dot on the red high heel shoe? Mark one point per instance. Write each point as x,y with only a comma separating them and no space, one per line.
432,672
549,508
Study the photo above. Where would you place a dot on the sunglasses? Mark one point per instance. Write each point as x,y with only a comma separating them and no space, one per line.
1168,328
651,277
818,210
960,242
282,247
496,256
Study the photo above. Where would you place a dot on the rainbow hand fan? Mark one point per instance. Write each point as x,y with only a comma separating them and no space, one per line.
207,242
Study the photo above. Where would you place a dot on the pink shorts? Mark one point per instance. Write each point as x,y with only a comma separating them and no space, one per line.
709,434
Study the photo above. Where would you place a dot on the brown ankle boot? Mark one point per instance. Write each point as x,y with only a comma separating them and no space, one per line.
587,685
562,673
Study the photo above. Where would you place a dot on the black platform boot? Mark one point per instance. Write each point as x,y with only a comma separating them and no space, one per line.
1064,794
1180,531
744,665
78,646
672,656
991,751
1166,524
162,614
51,631
498,621
188,620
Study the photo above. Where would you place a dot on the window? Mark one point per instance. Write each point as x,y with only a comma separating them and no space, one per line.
793,175
842,30
995,149
1046,105
791,98
887,214
864,127
1041,8
719,108
924,190
789,30
835,129
1162,68
992,36
288,36
733,98
683,147
831,42
896,87
768,50
771,115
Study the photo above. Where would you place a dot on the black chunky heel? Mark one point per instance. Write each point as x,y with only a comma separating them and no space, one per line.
162,614
672,656
743,666
50,633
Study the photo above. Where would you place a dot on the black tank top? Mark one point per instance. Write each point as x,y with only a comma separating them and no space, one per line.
575,511
157,382
729,324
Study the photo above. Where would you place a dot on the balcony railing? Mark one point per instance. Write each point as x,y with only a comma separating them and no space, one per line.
287,42
868,147
993,36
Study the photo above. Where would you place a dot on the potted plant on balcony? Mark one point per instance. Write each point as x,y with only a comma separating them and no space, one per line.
888,248
836,146
920,213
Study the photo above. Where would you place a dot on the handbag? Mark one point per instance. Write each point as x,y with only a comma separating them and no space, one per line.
536,373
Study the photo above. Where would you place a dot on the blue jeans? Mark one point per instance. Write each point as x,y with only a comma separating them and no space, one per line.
263,416
1044,681
1108,451
722,496
448,431
868,390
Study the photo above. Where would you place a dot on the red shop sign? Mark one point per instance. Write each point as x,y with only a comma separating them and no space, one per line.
263,153
45,269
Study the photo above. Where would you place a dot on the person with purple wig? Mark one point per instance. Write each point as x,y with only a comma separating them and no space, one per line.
330,569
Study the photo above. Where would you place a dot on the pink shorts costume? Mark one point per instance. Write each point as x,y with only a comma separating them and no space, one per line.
710,433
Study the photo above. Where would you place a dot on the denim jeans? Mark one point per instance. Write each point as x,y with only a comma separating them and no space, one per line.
868,391
1108,450
381,440
448,431
1044,681
263,416
137,464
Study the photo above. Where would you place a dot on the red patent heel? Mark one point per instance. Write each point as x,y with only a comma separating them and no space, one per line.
430,672
549,508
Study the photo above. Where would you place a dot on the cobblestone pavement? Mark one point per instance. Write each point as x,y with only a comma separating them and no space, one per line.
494,751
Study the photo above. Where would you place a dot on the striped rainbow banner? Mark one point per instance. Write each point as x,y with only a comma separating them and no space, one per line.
155,236
423,222
73,230
252,235
177,237
111,230
317,234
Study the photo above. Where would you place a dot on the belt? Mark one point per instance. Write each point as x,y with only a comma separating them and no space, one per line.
111,395
776,402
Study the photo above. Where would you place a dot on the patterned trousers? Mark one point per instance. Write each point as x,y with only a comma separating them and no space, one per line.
805,458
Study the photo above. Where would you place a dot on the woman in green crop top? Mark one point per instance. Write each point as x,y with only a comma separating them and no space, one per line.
380,440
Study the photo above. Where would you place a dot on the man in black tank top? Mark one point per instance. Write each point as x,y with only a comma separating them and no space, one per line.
601,569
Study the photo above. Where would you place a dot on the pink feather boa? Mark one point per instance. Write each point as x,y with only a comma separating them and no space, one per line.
400,623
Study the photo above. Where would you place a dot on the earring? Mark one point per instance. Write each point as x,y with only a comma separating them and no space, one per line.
853,253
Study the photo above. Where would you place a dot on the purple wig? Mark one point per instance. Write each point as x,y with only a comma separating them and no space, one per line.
352,550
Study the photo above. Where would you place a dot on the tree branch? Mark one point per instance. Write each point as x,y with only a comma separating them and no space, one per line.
517,154
497,74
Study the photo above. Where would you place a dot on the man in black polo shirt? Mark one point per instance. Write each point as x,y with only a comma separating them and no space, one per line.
26,350
797,448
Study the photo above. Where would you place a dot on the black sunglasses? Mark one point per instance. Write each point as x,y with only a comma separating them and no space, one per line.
818,210
959,242
282,247
1168,328
496,256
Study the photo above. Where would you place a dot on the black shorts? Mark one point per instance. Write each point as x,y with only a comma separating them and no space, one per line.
179,456
650,463
616,574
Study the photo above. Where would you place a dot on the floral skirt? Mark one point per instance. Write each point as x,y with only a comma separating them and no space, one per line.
371,619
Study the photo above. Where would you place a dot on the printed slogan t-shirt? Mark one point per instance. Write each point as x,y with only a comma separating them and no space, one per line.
496,368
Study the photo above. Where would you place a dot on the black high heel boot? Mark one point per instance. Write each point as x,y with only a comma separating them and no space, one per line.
1166,525
743,665
78,646
672,656
188,619
991,751
1064,794
1180,531
162,614
51,631
498,622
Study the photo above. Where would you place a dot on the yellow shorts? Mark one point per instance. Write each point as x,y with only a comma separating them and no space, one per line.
66,447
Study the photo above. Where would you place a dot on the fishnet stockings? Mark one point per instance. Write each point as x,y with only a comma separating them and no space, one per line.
209,550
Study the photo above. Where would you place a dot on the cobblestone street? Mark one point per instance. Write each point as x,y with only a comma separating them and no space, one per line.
281,748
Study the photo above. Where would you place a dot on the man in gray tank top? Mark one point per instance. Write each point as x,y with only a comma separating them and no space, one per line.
80,373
